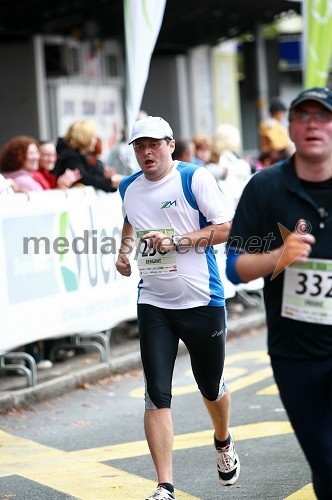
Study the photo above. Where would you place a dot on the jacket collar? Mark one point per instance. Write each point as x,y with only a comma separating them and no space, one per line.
292,181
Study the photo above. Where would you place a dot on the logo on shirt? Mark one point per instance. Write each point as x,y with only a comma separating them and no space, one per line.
167,204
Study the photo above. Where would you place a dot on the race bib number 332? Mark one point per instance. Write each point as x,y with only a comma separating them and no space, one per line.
307,292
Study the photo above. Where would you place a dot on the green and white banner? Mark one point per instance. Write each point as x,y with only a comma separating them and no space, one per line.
143,20
57,261
317,42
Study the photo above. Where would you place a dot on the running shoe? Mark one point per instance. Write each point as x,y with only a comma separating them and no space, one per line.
161,493
228,464
44,364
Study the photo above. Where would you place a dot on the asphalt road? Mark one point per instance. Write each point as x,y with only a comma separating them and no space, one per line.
89,444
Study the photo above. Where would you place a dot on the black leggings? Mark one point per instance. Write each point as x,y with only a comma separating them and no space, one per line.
306,391
203,331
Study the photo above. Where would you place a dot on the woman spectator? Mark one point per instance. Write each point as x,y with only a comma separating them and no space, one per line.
44,175
74,152
203,148
19,158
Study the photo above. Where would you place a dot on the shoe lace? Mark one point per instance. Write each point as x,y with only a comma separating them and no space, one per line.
160,493
225,458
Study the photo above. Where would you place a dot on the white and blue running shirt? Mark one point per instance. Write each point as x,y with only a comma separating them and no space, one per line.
187,199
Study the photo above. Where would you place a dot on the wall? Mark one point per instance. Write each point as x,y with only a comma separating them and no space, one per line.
18,103
161,96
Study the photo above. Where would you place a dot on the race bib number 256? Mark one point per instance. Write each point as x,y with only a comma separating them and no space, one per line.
149,260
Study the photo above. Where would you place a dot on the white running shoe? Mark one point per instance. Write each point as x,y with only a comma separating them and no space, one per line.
228,464
44,364
161,493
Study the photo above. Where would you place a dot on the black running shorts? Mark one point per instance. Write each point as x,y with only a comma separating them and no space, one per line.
203,331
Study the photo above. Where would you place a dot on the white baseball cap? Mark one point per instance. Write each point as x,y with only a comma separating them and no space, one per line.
151,126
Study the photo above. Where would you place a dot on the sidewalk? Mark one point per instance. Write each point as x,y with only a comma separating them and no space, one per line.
86,367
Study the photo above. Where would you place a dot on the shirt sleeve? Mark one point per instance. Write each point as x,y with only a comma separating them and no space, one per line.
231,272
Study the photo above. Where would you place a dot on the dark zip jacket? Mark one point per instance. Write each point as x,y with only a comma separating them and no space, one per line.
275,195
91,175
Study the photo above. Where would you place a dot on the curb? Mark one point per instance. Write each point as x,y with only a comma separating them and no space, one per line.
25,398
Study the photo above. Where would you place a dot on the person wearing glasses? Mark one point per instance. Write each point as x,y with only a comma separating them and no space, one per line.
174,214
44,175
286,213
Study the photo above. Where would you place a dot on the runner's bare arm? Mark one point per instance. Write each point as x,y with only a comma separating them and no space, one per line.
207,236
127,244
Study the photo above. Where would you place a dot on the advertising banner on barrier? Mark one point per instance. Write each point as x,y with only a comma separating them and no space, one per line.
57,254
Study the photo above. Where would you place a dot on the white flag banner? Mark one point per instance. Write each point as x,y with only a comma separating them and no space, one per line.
143,20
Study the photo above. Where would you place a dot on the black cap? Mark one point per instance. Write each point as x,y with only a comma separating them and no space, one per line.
318,94
276,105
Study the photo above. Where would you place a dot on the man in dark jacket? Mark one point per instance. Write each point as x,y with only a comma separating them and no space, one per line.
282,230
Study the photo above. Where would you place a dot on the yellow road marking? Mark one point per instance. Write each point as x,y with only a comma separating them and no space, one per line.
271,390
260,356
74,473
185,441
249,380
305,493
81,473
230,372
